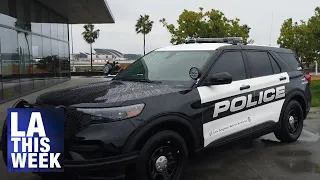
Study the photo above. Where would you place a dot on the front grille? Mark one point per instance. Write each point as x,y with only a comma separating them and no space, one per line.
75,121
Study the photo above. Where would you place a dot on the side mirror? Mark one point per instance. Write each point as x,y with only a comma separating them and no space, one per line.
219,79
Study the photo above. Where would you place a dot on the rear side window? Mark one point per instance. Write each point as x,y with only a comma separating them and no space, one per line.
259,64
275,66
231,62
292,61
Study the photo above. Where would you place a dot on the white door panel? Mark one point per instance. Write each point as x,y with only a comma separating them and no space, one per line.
221,127
212,93
267,106
271,110
269,81
225,126
268,112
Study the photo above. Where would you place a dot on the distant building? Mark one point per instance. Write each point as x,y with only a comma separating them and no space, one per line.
105,54
110,52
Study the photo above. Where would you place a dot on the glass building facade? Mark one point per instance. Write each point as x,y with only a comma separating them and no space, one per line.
34,48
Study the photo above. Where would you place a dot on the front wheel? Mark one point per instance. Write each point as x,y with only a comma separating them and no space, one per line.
163,157
292,123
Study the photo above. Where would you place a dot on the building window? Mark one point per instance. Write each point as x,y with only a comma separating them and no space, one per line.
10,63
54,25
36,18
46,27
65,32
31,56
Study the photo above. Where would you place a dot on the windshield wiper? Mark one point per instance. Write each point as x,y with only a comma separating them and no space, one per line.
148,81
137,80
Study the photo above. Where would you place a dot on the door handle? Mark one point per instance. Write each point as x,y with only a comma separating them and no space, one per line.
243,87
282,78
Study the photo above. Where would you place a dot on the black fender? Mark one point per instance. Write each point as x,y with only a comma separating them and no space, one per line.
152,126
290,96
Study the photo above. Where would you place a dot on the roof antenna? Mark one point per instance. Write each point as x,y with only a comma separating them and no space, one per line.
271,29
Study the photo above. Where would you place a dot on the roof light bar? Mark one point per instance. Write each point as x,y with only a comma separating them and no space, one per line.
229,40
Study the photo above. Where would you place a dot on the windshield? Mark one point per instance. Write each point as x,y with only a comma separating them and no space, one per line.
166,67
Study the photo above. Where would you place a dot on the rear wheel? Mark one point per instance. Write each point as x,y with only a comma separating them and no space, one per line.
292,123
163,157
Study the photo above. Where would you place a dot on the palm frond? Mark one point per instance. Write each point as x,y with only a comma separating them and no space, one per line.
144,25
89,34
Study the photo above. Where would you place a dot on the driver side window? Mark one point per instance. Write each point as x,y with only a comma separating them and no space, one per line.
231,62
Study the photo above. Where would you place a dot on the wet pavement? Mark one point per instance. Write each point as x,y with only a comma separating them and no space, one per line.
263,158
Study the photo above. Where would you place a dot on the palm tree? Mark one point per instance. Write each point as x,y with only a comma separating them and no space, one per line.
144,26
90,36
24,25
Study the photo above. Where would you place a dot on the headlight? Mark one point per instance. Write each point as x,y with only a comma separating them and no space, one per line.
115,113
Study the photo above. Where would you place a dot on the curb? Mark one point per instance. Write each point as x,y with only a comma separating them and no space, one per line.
314,110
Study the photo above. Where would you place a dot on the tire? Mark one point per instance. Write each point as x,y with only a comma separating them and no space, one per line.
290,132
168,144
107,69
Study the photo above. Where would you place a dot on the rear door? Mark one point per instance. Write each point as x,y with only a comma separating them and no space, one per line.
269,82
226,111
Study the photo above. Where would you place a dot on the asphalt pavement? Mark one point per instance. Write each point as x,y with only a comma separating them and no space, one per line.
263,158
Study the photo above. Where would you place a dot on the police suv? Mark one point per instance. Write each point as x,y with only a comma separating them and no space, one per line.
176,100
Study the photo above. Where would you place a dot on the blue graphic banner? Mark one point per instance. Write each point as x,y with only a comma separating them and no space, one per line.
35,139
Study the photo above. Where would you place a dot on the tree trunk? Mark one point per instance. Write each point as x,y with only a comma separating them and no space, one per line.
144,44
29,54
91,55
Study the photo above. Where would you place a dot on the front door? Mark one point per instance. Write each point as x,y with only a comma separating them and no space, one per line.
227,109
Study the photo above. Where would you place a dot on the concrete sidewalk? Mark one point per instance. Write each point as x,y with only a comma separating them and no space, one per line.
315,110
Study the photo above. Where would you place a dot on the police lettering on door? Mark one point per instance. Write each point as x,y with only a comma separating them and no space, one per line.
247,101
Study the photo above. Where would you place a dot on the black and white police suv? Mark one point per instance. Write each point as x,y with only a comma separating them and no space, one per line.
176,100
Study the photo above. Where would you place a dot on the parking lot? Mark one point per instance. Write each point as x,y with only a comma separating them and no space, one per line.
262,158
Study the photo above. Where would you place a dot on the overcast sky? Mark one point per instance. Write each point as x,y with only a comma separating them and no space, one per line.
257,14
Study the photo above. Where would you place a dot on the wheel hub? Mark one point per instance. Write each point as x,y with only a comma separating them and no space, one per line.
291,120
161,163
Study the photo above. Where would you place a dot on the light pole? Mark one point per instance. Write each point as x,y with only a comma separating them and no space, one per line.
73,69
316,67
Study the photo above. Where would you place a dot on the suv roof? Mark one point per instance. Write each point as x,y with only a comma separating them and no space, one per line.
193,47
215,46
220,43
257,47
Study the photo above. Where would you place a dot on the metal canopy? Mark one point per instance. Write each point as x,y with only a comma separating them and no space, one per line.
81,11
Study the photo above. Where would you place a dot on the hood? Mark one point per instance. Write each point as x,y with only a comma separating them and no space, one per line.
113,92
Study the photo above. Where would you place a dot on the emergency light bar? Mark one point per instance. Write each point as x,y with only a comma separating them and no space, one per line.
229,40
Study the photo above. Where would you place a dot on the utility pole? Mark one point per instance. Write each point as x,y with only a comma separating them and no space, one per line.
271,29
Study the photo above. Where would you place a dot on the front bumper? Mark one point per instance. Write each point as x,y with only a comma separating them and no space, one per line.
107,168
113,166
